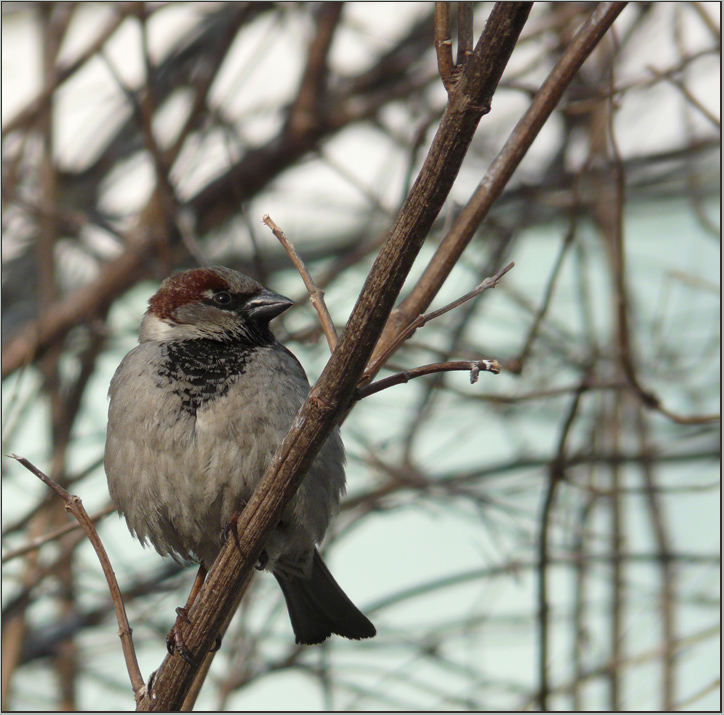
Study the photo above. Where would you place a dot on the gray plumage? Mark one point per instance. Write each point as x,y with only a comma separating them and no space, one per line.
197,411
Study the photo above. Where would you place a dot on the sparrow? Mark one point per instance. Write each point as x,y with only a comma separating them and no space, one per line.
197,411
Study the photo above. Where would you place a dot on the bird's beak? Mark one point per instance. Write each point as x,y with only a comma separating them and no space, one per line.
267,305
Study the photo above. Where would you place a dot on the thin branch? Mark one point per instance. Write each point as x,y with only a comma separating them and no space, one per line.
522,358
421,320
74,505
555,476
143,109
443,45
669,577
39,541
475,367
306,112
689,96
316,294
465,32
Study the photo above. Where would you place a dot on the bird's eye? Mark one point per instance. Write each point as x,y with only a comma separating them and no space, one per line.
222,298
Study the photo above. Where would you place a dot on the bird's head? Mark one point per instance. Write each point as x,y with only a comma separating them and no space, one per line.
214,303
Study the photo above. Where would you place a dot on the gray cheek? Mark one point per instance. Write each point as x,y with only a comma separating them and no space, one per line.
204,318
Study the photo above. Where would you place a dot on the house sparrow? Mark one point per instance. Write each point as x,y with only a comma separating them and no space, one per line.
197,411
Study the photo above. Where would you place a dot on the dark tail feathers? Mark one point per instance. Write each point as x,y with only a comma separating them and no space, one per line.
318,607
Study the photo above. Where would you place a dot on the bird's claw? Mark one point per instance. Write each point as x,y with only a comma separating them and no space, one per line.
230,529
263,560
175,641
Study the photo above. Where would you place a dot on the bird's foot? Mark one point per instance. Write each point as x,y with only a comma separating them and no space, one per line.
175,641
230,530
263,560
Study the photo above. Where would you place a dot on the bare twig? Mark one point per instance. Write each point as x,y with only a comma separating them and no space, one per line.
143,108
450,71
316,294
74,505
556,474
688,94
443,45
421,320
669,577
519,362
306,112
39,541
475,367
465,32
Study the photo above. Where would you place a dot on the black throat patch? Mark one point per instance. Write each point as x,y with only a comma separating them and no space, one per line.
199,371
